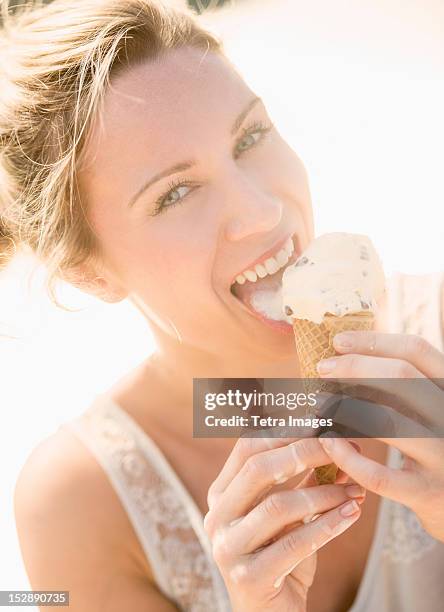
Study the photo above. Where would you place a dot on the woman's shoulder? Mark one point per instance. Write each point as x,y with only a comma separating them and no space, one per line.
64,501
61,467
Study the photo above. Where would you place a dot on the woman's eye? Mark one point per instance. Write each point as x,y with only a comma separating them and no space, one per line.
250,140
172,196
253,136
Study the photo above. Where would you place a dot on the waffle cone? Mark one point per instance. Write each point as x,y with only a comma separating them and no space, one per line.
314,341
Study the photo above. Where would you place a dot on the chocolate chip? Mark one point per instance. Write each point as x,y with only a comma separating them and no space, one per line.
364,273
364,305
288,311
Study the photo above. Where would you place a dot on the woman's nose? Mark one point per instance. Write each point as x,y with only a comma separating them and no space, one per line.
251,211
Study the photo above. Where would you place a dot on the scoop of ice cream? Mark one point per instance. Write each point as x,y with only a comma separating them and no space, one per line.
338,273
269,303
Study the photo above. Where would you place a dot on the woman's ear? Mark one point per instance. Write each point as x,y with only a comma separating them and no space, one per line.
102,287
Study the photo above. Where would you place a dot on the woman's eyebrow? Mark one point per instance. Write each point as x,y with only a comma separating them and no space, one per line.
186,165
240,118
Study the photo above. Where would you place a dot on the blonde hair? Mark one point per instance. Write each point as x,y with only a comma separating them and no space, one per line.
55,64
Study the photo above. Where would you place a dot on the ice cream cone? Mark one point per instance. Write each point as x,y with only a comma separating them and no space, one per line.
314,341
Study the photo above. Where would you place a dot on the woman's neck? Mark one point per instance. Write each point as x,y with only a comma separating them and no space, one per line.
178,366
160,391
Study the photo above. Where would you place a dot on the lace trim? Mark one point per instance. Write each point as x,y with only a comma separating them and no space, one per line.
178,559
406,541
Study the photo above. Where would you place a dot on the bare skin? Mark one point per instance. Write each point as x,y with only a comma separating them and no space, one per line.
176,267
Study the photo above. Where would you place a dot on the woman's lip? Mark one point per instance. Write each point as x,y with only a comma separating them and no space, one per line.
279,326
270,253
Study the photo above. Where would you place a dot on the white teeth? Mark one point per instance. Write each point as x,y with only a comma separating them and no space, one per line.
260,270
289,246
271,265
251,276
282,257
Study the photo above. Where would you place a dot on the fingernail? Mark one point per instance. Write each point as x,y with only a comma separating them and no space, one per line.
355,445
325,366
355,491
349,509
343,341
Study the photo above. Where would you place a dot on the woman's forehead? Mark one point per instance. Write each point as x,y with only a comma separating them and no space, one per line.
179,91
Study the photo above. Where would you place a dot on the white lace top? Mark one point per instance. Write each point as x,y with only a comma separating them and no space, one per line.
405,566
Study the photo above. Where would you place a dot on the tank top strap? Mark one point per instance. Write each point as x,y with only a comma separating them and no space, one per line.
165,517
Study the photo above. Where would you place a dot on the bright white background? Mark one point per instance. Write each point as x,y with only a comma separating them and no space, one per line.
357,88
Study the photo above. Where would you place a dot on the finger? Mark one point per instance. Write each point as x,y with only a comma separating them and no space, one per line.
244,448
426,451
310,480
356,417
247,574
282,508
405,387
342,477
398,485
354,365
408,347
260,471
295,546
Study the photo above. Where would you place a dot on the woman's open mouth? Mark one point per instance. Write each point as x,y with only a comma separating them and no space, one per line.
259,288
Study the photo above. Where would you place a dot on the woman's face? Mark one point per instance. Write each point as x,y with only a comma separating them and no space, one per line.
188,184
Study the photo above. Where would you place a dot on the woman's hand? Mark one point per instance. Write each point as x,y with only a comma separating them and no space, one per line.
264,569
379,356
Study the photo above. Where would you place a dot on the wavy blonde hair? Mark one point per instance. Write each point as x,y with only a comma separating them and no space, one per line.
55,64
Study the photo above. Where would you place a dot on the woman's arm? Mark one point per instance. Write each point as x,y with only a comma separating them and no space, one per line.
71,536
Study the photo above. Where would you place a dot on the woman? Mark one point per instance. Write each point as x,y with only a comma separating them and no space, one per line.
137,163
